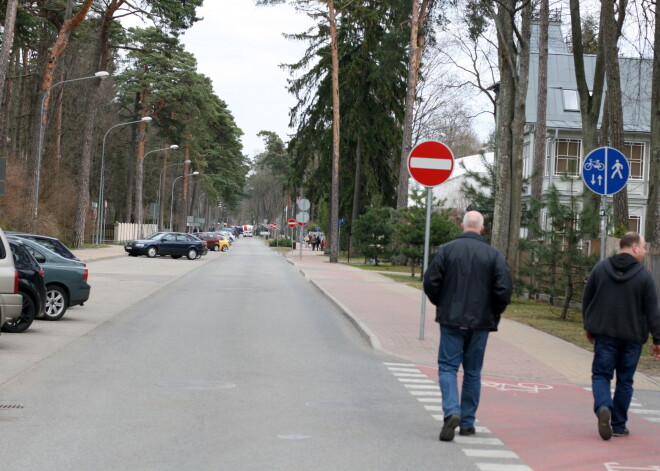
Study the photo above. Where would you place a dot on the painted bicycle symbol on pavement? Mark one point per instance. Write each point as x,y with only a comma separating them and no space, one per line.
532,388
618,467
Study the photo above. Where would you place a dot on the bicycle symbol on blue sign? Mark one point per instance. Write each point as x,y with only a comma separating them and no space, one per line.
605,171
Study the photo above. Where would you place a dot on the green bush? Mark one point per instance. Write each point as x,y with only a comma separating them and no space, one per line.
280,243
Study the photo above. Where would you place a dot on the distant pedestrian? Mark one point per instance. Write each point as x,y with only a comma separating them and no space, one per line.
469,283
620,309
312,241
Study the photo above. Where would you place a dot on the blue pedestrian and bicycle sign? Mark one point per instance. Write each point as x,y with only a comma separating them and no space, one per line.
605,171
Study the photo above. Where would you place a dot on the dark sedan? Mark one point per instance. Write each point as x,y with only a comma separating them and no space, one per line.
174,244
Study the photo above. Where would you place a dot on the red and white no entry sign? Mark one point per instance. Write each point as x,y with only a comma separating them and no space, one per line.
430,163
292,223
273,225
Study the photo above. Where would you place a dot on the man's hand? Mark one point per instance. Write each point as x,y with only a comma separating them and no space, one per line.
592,340
656,352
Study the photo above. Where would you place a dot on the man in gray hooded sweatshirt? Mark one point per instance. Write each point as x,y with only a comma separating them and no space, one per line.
620,309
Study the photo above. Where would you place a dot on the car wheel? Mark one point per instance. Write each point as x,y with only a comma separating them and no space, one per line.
21,324
192,254
152,252
56,303
175,256
216,248
225,248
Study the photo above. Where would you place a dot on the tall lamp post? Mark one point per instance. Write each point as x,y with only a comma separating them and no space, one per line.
141,193
172,198
160,183
35,210
101,212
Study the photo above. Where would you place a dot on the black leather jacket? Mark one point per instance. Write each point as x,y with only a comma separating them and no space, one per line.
469,283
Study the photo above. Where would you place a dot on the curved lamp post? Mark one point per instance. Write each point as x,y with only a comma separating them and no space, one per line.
160,184
101,74
101,211
141,193
172,198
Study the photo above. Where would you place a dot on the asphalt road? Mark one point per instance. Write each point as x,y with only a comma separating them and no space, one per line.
231,362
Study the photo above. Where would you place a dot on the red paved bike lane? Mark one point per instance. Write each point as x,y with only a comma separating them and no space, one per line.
551,427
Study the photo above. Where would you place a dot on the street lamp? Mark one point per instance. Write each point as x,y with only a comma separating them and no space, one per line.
101,211
141,189
160,183
172,198
101,74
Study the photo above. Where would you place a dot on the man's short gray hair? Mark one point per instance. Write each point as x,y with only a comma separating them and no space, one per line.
473,220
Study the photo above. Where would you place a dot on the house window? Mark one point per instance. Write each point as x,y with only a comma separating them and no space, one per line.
634,223
526,161
571,100
567,157
634,152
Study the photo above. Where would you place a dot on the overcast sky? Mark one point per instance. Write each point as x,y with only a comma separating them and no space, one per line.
239,47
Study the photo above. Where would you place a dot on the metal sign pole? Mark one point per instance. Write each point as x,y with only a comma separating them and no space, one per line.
603,213
427,243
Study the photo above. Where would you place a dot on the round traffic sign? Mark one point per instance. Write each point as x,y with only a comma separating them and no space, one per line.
302,216
605,171
430,163
304,204
291,223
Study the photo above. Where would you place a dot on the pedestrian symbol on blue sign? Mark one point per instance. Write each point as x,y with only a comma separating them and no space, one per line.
605,171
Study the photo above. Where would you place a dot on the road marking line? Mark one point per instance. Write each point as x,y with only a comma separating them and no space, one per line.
433,408
437,400
422,386
645,411
503,467
425,393
476,453
410,375
409,365
478,441
416,381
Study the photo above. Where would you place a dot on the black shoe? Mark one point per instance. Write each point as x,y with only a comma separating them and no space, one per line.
449,427
604,427
467,431
623,433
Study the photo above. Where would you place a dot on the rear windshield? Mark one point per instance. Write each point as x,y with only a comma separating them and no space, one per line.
22,258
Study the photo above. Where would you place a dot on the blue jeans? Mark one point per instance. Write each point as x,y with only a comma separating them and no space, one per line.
467,347
612,354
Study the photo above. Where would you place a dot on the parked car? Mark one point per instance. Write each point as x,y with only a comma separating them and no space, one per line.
66,280
11,301
247,233
214,241
51,243
174,244
31,287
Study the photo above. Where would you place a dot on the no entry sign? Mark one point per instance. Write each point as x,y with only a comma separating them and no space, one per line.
430,163
292,223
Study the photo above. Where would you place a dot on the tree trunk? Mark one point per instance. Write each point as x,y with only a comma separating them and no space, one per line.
99,63
334,196
652,229
357,190
55,52
540,130
414,60
614,109
7,43
139,173
590,100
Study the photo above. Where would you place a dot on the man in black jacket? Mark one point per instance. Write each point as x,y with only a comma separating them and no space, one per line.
620,308
469,283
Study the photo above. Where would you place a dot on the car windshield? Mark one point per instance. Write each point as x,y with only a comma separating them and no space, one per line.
157,236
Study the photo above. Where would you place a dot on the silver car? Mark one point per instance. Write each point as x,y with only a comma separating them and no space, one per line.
11,302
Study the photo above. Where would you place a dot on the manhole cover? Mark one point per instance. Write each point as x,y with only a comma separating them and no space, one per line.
196,385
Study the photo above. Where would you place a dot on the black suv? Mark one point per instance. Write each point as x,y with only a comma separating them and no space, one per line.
31,286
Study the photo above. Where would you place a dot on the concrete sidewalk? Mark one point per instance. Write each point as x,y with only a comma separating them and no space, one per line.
388,314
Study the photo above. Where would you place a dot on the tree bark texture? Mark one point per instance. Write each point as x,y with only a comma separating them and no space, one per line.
100,62
615,108
652,229
54,54
414,60
334,197
590,101
540,129
7,43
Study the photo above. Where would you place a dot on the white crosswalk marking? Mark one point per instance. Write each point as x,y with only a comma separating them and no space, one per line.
503,467
489,453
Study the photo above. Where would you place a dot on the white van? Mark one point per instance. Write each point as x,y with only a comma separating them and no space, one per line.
11,302
247,233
